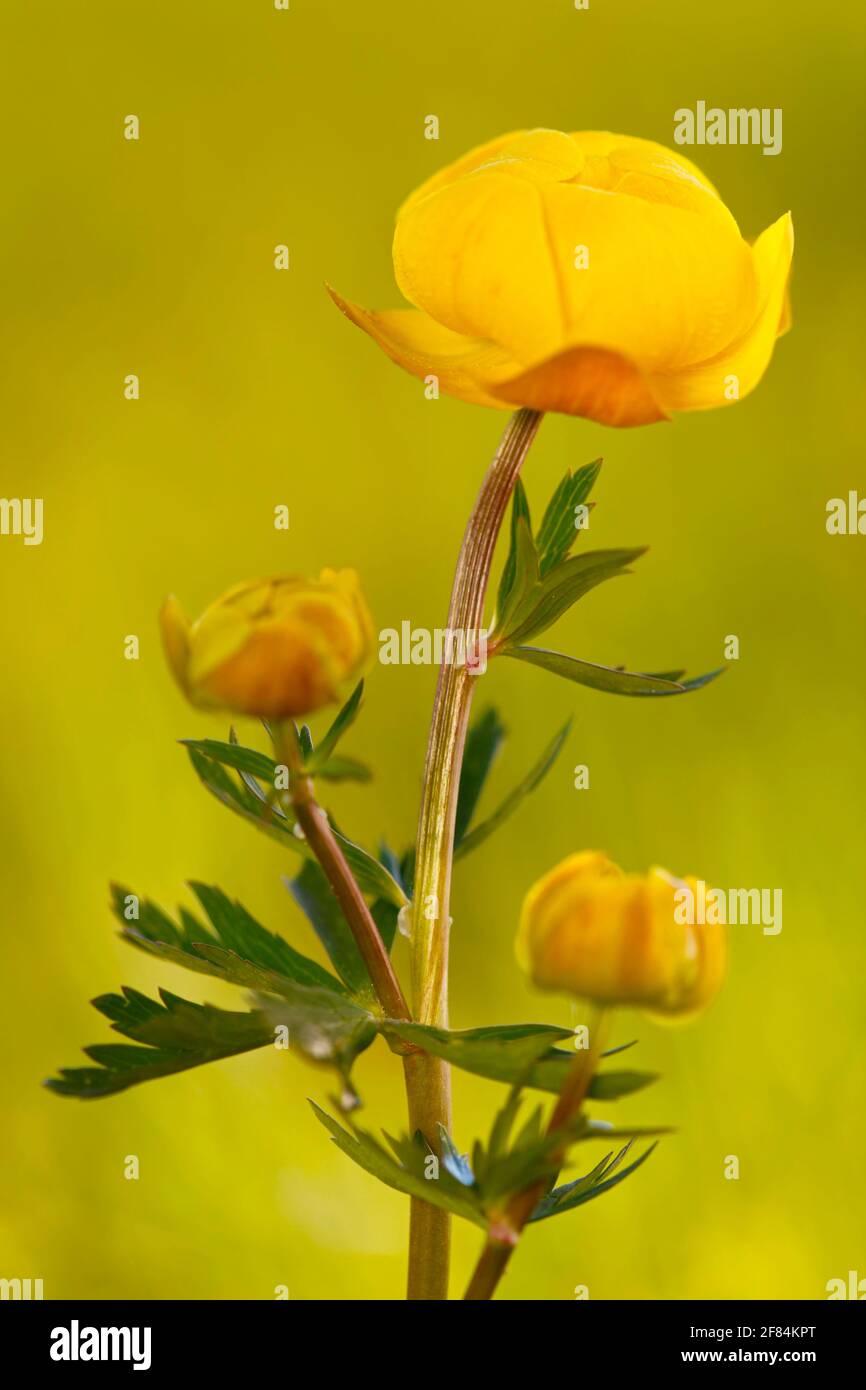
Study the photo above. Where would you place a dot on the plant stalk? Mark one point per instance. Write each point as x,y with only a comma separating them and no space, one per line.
320,838
428,1082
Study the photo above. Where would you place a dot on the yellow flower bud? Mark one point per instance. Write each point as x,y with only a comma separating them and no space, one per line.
589,929
276,648
594,274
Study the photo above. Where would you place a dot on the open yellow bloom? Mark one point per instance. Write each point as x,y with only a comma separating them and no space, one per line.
276,648
589,929
593,274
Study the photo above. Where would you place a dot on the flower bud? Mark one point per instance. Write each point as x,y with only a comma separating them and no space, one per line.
274,648
589,929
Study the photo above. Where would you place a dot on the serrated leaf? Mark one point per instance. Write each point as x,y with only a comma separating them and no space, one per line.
344,721
519,509
315,897
366,1151
371,876
598,1181
328,1030
546,601
235,947
508,1168
557,532
177,1034
515,1054
534,776
612,679
482,745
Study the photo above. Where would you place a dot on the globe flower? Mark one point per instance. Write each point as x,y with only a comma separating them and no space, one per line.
589,929
593,274
275,648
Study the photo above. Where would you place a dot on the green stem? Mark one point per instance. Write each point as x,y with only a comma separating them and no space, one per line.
320,838
428,1079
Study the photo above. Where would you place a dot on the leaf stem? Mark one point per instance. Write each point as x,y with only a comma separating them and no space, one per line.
428,1078
505,1232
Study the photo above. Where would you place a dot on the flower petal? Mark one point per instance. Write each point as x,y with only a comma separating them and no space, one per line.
706,385
552,153
591,382
174,627
475,256
423,347
581,380
667,280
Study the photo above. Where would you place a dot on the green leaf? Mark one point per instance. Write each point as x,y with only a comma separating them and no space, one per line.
508,1053
516,1054
536,774
248,760
611,1085
305,742
385,915
328,1030
315,897
612,679
550,597
371,876
340,769
599,1180
525,574
178,1035
445,1192
505,1167
482,744
237,949
254,807
693,683
557,532
519,509
344,720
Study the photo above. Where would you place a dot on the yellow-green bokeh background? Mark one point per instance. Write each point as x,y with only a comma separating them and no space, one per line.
306,127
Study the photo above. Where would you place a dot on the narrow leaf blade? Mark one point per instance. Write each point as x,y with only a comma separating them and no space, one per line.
534,776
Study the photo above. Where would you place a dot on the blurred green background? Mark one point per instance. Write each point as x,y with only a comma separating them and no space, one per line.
306,127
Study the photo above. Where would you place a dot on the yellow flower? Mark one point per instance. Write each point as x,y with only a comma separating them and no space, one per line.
589,929
593,274
275,648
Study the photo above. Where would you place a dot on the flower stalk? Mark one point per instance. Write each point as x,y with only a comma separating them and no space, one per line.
428,1078
504,1233
321,839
